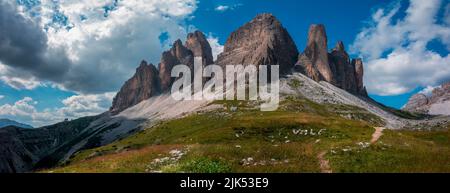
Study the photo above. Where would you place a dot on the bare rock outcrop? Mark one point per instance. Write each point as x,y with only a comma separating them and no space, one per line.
199,45
438,103
417,103
149,81
359,73
336,67
262,41
178,54
316,55
344,70
143,85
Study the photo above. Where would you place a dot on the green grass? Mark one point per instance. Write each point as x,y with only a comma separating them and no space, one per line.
206,165
248,140
398,151
402,113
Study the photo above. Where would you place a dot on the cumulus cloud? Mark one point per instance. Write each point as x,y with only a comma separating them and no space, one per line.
23,46
85,46
216,47
25,110
396,50
20,109
17,78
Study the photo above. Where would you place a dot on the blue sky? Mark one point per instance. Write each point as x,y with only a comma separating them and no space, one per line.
343,19
96,45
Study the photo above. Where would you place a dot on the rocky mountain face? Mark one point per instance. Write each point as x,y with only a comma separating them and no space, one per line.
143,85
262,41
149,81
178,54
199,45
7,122
316,55
436,104
336,67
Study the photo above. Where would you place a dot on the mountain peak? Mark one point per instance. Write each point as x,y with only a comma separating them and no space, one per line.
317,51
143,85
8,122
336,67
317,35
142,65
262,41
177,43
149,81
199,45
339,47
264,17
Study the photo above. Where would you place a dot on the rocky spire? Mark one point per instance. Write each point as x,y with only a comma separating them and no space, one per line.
148,81
316,52
342,68
336,67
359,75
178,54
262,41
143,85
199,45
339,47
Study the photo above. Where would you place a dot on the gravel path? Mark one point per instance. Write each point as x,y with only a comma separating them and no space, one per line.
377,134
324,163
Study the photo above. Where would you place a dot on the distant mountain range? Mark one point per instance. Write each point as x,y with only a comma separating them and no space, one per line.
7,122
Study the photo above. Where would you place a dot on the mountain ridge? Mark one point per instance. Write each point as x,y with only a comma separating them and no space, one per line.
438,103
261,41
137,89
8,122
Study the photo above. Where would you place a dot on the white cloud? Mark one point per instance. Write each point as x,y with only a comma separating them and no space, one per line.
103,50
83,105
16,79
216,47
76,106
223,8
20,108
395,50
103,47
